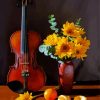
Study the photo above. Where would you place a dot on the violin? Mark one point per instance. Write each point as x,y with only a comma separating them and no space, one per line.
24,44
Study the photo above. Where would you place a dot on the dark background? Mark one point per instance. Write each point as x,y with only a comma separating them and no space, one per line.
88,10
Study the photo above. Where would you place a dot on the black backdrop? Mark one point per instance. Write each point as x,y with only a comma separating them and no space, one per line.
88,10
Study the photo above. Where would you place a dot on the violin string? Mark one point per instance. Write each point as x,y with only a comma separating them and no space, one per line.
25,38
26,41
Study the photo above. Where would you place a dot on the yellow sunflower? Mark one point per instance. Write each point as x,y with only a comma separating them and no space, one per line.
25,96
51,39
83,41
64,48
80,52
70,29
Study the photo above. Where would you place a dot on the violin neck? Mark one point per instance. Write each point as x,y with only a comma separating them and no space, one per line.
24,34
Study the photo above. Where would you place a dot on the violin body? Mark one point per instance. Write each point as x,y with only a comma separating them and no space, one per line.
36,77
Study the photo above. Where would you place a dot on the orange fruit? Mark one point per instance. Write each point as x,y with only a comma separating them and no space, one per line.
63,97
50,94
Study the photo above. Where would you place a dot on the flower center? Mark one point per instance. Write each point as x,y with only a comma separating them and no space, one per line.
77,52
70,31
65,48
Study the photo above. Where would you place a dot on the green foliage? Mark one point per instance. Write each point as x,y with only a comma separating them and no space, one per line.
53,23
78,22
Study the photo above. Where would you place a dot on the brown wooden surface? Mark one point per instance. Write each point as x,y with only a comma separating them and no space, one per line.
7,94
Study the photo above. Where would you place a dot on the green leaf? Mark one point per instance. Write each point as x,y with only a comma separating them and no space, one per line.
78,22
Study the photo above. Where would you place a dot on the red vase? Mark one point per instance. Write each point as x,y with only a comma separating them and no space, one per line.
66,76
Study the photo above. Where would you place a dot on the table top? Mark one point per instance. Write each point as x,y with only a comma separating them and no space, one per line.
92,92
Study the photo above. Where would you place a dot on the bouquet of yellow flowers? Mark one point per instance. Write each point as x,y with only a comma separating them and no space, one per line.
67,44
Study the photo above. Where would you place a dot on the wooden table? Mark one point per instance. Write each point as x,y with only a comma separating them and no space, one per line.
7,94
